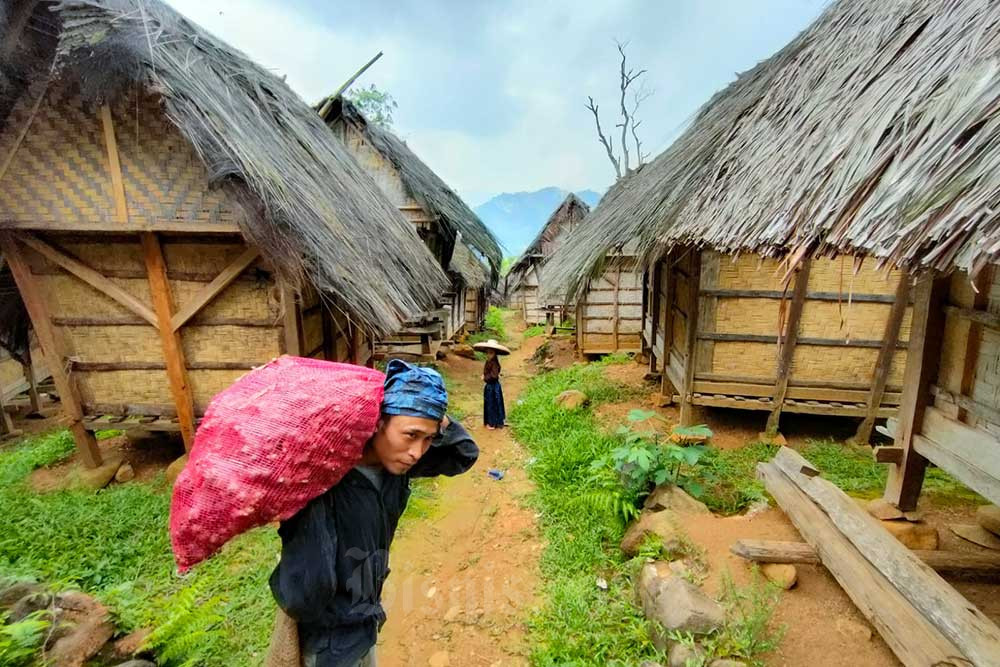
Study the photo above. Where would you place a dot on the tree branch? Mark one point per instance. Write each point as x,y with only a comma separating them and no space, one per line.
603,139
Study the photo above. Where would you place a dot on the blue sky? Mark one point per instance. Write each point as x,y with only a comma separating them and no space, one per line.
491,95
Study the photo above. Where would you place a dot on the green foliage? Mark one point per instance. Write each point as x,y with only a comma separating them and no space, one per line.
536,330
181,639
579,624
20,641
494,327
376,105
505,265
729,476
699,433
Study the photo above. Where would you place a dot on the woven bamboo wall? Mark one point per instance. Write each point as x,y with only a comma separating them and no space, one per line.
529,297
10,370
473,309
59,172
609,318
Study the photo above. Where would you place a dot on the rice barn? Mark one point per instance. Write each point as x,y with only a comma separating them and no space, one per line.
173,215
462,245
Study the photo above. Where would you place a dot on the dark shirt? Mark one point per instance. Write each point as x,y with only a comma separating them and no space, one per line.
491,371
335,552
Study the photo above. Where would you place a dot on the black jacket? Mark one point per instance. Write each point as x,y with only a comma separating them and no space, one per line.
335,553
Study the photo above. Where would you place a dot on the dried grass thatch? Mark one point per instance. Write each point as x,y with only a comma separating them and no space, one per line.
553,233
876,131
308,205
469,267
424,186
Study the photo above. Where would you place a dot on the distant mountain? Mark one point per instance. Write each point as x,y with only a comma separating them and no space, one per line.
517,217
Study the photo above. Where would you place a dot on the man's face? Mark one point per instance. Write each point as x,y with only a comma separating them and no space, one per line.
400,441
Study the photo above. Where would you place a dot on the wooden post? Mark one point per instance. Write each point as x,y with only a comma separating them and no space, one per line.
667,389
691,340
6,424
170,340
581,310
293,329
54,358
923,356
885,355
330,334
614,323
653,304
972,342
787,349
29,376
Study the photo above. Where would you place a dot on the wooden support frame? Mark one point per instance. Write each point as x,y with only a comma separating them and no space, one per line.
787,349
885,355
922,360
29,377
292,323
691,341
170,340
214,288
54,358
974,338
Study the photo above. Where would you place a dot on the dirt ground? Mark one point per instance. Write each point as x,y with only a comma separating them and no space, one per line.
464,579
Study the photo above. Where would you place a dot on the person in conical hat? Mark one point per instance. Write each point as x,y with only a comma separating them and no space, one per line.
494,414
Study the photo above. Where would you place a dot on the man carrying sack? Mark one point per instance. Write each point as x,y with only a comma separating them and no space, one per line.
335,551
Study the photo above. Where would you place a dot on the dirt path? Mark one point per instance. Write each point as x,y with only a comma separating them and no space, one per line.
465,578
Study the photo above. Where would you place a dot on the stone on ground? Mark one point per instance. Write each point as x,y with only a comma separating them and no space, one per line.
659,524
130,644
126,473
782,574
85,627
28,605
772,438
97,478
571,399
463,350
452,614
913,535
988,516
175,468
682,655
137,663
651,577
671,497
883,510
683,607
854,631
727,662
977,535
17,590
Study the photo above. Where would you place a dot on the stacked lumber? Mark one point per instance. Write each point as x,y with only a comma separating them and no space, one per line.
919,615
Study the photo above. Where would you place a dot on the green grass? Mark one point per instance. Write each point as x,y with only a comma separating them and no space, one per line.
495,327
579,624
729,479
536,330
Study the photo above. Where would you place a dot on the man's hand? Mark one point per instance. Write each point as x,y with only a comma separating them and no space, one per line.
445,422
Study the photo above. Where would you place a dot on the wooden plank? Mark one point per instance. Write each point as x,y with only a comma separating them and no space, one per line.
922,360
946,563
890,341
974,337
170,340
980,317
810,296
686,390
653,303
104,226
791,405
112,366
214,288
54,357
615,316
816,342
112,321
967,404
114,166
792,382
962,469
887,454
808,393
292,324
91,277
957,619
968,453
914,640
787,349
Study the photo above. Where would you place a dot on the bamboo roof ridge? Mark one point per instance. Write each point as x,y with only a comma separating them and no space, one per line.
425,186
309,207
553,233
876,131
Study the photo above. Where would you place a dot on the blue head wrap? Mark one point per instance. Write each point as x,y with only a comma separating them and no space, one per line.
414,392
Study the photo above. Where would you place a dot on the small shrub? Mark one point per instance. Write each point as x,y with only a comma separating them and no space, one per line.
180,640
19,642
534,331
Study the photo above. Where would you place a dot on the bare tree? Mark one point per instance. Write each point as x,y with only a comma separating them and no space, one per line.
628,123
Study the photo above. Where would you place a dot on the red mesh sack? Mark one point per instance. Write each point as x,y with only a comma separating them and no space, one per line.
277,438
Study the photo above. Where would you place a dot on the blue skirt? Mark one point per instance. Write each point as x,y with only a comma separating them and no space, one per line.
493,410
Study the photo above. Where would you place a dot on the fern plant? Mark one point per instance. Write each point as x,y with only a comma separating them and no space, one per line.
180,640
19,642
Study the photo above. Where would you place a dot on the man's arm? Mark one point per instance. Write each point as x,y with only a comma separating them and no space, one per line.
305,580
452,453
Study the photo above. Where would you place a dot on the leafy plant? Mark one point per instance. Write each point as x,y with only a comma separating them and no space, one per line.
376,105
19,642
180,640
536,330
691,434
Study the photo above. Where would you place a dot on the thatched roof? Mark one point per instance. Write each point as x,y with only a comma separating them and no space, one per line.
876,131
310,208
425,186
552,234
465,263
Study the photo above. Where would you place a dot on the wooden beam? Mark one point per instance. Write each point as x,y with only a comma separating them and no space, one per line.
817,342
292,324
614,324
91,277
114,166
667,386
810,296
966,452
29,377
957,619
922,359
981,317
690,341
170,340
967,405
914,640
214,288
653,303
974,337
787,348
887,454
890,340
112,366
104,226
55,360
9,158
946,563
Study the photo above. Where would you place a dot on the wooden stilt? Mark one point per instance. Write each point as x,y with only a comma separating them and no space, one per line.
691,341
667,389
885,356
55,361
653,305
787,350
29,376
922,359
